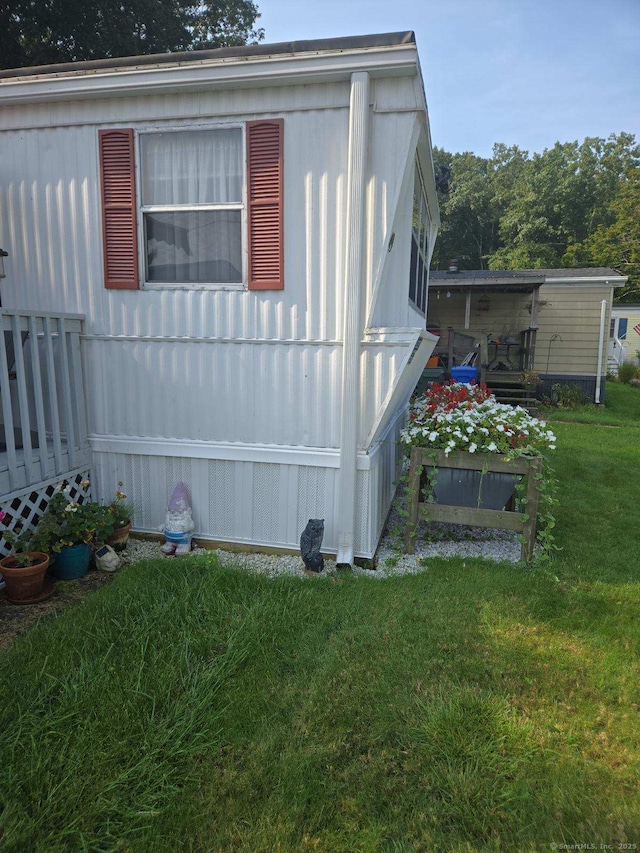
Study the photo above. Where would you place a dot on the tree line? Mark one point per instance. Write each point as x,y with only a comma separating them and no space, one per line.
43,32
574,205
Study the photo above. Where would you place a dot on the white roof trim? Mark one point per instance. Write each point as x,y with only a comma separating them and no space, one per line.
615,280
394,60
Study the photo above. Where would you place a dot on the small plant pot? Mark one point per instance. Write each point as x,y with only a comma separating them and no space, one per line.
24,582
72,562
119,538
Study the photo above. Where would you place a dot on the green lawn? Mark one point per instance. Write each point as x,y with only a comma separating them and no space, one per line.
474,707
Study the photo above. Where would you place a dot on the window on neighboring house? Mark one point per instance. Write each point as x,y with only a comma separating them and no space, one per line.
192,206
418,274
618,328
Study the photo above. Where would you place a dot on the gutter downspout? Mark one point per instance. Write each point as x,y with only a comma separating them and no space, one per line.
603,315
353,309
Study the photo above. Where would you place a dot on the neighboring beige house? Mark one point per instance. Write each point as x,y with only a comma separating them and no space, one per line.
624,335
553,321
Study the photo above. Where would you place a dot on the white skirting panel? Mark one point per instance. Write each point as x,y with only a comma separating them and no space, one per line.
257,503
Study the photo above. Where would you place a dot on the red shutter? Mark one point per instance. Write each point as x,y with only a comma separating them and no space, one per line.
265,169
117,178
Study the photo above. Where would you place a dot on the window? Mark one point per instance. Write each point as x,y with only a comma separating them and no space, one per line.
618,328
190,201
192,206
418,274
622,328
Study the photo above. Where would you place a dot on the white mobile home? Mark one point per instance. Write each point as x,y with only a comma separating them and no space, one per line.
242,237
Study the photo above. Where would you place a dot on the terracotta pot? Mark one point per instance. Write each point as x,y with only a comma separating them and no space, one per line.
24,582
119,538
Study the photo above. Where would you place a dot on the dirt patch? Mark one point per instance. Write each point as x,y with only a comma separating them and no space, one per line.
15,619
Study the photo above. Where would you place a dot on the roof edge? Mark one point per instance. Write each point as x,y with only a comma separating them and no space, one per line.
342,43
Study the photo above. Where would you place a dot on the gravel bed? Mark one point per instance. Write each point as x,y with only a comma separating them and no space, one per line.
438,539
433,540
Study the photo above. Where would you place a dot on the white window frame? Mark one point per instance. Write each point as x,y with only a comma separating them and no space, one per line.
160,208
423,251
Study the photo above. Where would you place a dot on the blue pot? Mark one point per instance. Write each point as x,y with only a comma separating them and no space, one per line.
72,562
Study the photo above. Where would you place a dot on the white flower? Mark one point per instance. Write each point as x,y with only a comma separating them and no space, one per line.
473,447
492,447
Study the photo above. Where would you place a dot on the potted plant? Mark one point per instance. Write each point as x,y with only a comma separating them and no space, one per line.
471,455
120,512
530,379
467,418
24,569
69,530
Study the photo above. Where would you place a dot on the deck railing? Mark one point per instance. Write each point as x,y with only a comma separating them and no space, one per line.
43,425
615,355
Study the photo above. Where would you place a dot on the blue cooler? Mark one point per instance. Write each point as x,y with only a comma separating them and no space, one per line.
464,374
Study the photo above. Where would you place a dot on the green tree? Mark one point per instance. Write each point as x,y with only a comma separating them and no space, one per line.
617,244
41,32
570,206
469,225
560,198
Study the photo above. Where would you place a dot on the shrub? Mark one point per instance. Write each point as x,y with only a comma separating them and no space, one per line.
568,396
627,371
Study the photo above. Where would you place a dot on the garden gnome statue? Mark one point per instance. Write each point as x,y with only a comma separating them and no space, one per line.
178,523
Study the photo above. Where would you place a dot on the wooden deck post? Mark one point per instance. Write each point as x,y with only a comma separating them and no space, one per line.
450,340
413,501
532,496
484,357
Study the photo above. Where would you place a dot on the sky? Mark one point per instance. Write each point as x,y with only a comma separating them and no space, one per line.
522,72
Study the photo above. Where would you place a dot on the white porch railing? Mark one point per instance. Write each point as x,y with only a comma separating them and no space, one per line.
43,424
615,354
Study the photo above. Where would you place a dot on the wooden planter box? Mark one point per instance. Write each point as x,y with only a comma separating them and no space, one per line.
422,457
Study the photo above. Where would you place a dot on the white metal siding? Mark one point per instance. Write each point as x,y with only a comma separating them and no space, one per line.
282,497
219,368
49,223
393,307
267,393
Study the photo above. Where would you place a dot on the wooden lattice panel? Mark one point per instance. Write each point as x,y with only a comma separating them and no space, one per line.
23,512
